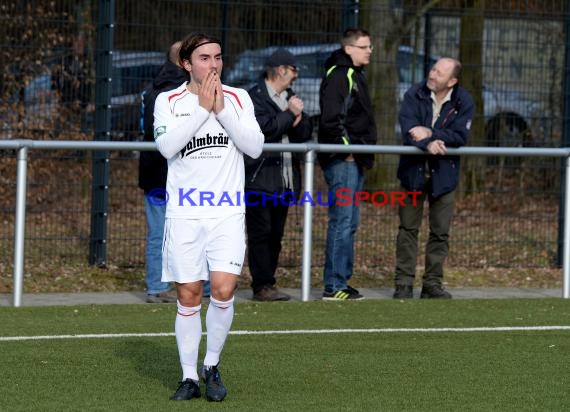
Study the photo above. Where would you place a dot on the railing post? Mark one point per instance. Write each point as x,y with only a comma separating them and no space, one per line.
20,224
566,247
307,226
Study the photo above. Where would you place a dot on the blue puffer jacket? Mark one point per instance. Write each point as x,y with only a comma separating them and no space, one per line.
452,126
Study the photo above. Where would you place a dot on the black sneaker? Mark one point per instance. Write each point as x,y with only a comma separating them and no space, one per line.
404,292
215,389
345,294
434,292
188,389
352,291
270,294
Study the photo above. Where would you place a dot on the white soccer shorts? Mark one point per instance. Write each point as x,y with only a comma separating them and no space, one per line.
192,248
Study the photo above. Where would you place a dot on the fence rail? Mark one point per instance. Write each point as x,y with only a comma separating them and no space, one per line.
22,146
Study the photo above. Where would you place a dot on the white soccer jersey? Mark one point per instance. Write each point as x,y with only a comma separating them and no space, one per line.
204,151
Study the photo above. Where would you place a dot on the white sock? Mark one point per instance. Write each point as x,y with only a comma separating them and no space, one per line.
219,319
188,331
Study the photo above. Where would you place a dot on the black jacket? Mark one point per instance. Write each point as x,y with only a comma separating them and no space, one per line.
153,167
452,126
346,111
264,174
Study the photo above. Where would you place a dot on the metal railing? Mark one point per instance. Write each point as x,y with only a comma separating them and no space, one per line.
310,149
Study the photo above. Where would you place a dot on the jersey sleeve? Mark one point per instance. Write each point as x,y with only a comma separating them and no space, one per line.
171,137
238,118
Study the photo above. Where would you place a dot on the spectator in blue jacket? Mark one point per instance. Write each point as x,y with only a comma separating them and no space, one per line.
435,114
274,176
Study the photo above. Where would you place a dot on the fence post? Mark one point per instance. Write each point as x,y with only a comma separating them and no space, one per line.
350,14
566,242
307,226
20,224
103,87
563,206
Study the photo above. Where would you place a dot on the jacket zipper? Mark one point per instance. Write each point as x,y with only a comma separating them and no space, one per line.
447,117
257,170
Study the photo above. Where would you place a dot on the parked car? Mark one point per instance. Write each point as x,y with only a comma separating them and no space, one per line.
131,73
30,106
507,113
46,95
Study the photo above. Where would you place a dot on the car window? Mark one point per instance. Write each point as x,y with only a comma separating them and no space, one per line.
311,65
245,70
131,80
38,89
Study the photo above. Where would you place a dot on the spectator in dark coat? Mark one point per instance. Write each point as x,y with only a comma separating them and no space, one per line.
436,114
272,181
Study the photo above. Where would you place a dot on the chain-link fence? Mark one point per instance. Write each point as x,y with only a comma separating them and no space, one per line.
513,55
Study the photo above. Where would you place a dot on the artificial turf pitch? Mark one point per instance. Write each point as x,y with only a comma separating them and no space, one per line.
341,356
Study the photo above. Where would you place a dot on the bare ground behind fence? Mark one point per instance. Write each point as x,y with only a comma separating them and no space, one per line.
502,238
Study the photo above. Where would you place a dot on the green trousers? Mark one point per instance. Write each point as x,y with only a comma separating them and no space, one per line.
437,247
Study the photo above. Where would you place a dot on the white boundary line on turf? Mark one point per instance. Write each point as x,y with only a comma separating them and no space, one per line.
297,332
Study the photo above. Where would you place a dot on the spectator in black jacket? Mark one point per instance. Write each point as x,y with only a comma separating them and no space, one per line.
153,170
435,114
346,119
273,180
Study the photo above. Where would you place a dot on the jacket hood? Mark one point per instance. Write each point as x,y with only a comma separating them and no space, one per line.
170,74
338,58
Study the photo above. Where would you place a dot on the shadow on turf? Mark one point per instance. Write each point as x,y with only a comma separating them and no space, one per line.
152,359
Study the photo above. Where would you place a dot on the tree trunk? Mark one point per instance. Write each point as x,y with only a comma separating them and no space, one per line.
471,56
383,23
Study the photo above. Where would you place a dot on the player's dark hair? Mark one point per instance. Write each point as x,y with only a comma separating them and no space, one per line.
192,42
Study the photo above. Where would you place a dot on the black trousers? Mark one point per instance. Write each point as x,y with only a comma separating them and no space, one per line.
265,227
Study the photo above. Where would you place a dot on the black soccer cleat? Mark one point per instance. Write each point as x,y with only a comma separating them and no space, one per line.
188,389
215,389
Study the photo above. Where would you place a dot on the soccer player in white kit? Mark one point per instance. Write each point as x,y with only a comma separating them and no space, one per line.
203,128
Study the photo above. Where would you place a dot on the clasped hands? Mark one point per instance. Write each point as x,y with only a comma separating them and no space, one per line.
295,105
436,147
210,94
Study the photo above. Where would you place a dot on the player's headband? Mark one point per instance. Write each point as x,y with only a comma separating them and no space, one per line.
203,43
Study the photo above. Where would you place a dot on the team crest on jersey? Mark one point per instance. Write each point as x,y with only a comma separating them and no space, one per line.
158,131
207,142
